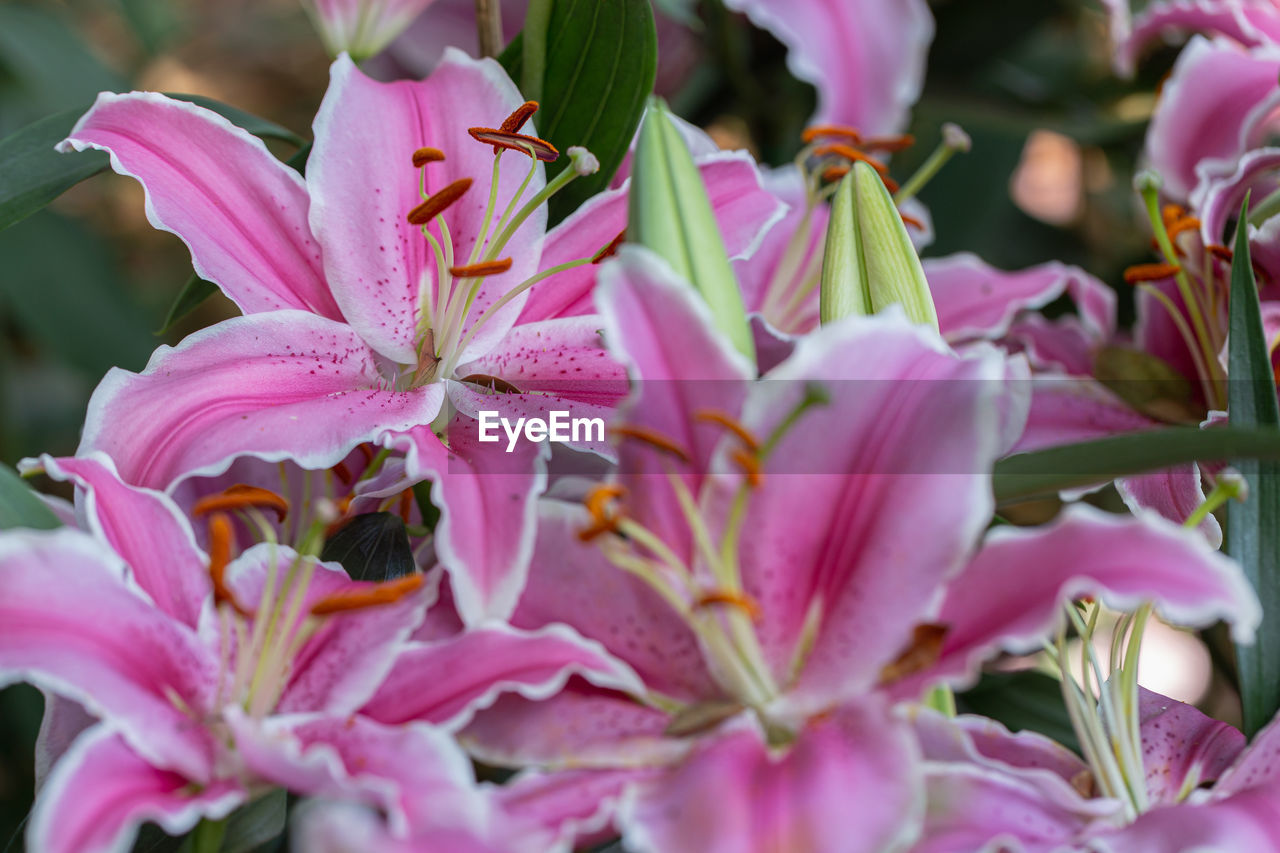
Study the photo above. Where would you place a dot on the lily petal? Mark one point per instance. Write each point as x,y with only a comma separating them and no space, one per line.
241,212
446,682
997,604
866,59
145,528
71,625
280,385
363,185
1181,747
851,782
102,791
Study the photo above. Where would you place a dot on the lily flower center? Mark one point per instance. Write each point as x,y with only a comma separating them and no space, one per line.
445,325
260,642
706,588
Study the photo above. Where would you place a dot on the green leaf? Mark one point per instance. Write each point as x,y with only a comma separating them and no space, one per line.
34,174
1044,473
372,547
194,292
1022,700
19,506
601,57
62,287
256,822
1253,526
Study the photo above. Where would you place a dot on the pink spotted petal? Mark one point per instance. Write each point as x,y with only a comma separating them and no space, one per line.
102,791
998,604
1247,821
1257,766
282,385
977,740
1219,102
1070,409
572,807
909,431
241,212
363,185
1182,748
447,681
72,626
145,528
850,782
867,58
1175,493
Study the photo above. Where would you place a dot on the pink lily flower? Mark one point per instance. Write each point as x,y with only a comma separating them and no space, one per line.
1032,794
739,673
215,678
1251,23
357,322
362,27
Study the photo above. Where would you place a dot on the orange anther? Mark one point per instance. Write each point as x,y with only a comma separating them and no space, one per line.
220,536
750,465
1220,252
1181,224
924,649
611,248
1150,272
889,143
481,269
730,597
1172,212
241,496
834,173
840,131
406,504
653,438
908,219
541,148
366,450
373,595
730,423
850,153
423,156
342,473
600,496
518,117
439,202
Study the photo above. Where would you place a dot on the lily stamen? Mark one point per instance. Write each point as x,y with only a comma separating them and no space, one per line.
520,115
220,538
242,496
850,153
482,269
1181,224
1150,272
840,131
744,435
531,145
731,598
426,155
376,595
611,248
889,144
653,438
438,202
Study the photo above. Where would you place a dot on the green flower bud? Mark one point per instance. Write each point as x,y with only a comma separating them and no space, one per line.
671,214
869,261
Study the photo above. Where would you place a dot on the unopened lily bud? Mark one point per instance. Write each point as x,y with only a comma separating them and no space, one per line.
362,27
582,161
869,262
671,214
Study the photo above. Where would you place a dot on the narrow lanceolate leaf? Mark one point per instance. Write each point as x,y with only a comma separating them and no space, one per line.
1043,473
1253,527
599,59
669,212
32,174
19,507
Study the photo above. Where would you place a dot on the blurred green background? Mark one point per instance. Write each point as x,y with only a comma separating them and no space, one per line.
85,284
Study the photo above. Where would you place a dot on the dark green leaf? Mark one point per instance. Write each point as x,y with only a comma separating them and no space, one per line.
19,507
429,511
62,285
1022,700
195,291
32,173
1253,527
1046,472
601,58
372,547
256,822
